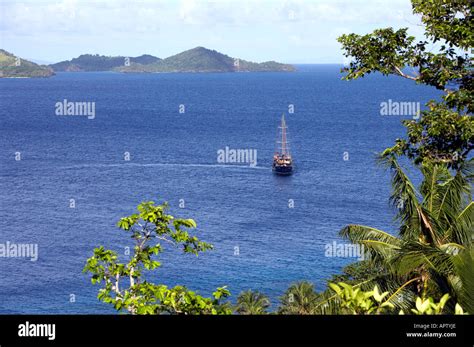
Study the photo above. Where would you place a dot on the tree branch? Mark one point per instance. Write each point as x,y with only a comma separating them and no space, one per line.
399,72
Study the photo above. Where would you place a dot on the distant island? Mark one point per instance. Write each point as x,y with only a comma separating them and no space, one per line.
198,59
12,66
95,62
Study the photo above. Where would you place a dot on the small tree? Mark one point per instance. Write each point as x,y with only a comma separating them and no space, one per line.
125,286
299,298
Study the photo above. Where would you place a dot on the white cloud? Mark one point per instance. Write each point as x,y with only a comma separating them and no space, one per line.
79,16
253,29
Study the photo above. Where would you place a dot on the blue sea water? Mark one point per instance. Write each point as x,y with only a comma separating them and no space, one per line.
174,158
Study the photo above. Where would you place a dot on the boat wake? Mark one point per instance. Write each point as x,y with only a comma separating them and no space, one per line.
222,166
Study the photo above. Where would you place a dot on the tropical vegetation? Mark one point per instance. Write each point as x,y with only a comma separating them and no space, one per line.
252,302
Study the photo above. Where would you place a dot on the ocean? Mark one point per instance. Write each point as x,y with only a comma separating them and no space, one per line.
66,180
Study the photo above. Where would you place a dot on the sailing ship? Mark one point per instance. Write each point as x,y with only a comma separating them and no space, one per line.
282,161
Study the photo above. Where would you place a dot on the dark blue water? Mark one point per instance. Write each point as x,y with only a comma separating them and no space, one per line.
173,157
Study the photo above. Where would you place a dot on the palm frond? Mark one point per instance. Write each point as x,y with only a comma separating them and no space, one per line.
467,170
356,233
404,197
452,195
434,176
402,297
378,245
252,302
461,229
299,298
464,264
417,255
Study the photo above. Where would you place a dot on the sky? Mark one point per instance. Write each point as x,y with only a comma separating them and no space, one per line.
289,31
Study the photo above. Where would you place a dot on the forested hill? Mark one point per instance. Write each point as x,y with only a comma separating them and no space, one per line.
95,62
13,66
198,59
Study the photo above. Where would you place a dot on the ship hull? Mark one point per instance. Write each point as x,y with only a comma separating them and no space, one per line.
282,170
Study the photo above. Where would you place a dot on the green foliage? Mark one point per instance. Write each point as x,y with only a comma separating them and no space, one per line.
299,298
356,301
445,132
430,307
353,300
385,50
124,285
252,302
440,136
450,21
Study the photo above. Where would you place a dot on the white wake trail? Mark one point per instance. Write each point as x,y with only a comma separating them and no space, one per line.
224,166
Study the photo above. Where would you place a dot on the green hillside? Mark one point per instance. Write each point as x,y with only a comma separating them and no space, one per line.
198,59
95,62
11,66
201,59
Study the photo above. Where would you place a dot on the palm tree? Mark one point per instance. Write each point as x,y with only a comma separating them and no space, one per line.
252,302
435,235
299,298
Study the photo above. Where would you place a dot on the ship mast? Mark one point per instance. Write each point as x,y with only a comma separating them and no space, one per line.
285,150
